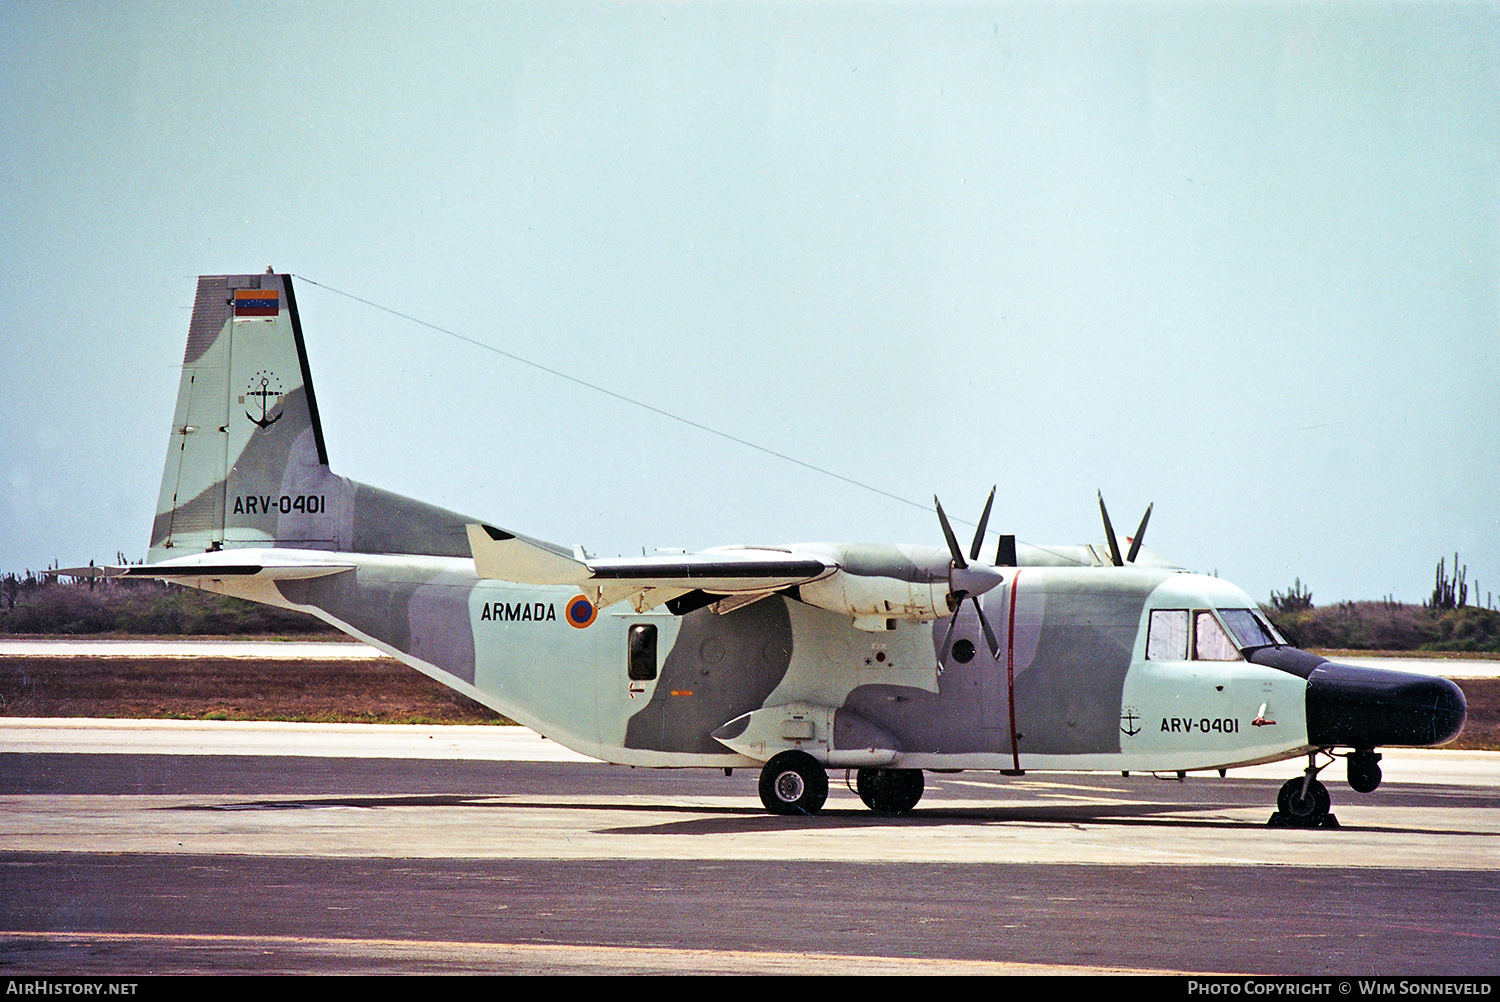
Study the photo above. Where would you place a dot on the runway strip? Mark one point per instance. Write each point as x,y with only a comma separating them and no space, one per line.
505,792
248,955
44,647
506,744
264,650
228,847
253,737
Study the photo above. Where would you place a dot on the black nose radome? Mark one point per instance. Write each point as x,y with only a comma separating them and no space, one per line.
1373,707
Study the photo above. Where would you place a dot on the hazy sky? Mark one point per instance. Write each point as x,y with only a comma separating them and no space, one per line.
1241,260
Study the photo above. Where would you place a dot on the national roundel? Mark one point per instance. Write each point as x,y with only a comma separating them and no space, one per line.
581,613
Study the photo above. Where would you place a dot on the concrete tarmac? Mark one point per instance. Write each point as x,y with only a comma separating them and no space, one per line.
216,847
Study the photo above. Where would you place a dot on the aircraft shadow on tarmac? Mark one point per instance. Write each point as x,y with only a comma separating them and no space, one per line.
733,819
1062,815
709,819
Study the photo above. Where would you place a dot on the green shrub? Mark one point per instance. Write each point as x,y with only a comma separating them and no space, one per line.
1390,626
142,607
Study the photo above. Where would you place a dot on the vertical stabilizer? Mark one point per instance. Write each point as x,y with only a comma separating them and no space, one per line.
246,463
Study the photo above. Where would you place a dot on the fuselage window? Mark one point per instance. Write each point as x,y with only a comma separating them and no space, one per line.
642,666
1210,641
1167,636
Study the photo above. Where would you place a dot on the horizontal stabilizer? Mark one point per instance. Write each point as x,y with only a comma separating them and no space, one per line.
241,563
506,556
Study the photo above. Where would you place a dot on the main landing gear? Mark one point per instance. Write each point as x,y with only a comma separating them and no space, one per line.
793,783
889,791
796,783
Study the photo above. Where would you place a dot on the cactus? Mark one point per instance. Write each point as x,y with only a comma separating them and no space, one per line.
1450,593
1294,599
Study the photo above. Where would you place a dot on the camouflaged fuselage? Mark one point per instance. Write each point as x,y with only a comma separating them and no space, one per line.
846,666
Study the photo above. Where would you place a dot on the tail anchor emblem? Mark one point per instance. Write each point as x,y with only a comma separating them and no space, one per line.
265,386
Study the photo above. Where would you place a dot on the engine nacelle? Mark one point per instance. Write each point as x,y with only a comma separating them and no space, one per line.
872,602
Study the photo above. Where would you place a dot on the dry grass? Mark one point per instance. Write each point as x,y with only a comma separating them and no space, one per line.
1482,729
375,692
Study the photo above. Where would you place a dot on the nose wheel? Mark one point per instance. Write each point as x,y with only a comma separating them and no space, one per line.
1304,802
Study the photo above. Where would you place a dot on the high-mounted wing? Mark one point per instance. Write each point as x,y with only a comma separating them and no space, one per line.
733,576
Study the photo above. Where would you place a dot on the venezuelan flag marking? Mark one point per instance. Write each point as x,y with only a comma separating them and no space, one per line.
256,302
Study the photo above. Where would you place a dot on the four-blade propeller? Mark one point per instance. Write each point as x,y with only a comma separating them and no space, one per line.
970,578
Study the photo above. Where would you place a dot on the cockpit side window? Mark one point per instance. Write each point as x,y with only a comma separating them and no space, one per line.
1271,629
1167,635
1210,642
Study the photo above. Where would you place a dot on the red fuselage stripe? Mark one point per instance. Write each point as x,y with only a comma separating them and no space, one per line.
1010,671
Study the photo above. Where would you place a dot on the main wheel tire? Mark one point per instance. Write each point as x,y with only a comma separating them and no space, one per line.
793,783
1303,811
890,791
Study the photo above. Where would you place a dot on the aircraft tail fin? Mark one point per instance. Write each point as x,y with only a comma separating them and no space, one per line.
246,462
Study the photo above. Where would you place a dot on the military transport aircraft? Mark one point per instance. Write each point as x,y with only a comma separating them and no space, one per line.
885,659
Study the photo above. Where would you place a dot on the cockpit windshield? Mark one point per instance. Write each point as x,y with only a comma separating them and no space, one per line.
1249,628
1181,634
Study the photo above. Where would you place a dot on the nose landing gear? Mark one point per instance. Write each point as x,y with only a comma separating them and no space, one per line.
1304,802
